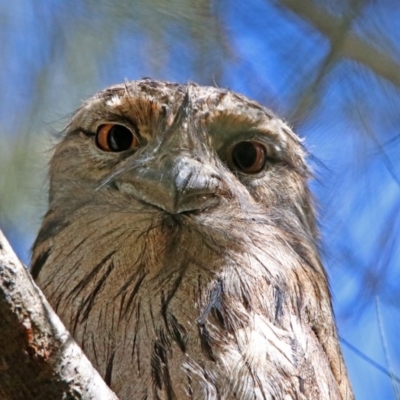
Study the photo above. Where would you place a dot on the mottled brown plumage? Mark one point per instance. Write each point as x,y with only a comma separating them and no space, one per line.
180,250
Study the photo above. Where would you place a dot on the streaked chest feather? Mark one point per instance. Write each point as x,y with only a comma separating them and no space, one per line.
147,309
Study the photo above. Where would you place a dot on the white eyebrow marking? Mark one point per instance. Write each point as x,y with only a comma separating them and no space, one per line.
114,101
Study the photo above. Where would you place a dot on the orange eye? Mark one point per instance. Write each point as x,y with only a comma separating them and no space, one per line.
249,157
115,138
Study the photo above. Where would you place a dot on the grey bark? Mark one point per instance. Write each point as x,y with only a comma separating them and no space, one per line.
38,357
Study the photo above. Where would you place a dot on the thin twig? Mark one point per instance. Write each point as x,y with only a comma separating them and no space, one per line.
385,349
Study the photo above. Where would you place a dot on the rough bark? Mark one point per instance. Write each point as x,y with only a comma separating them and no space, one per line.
38,357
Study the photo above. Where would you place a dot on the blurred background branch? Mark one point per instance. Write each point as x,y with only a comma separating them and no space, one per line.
347,43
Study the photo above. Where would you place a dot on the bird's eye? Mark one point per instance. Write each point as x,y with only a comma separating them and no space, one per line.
115,138
248,157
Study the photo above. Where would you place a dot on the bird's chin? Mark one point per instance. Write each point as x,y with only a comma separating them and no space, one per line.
181,220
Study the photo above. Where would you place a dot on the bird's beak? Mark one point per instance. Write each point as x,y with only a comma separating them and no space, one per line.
178,175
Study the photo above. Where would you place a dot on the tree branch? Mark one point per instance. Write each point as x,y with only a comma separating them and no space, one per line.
353,46
38,357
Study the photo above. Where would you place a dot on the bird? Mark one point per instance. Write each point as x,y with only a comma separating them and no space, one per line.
180,248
